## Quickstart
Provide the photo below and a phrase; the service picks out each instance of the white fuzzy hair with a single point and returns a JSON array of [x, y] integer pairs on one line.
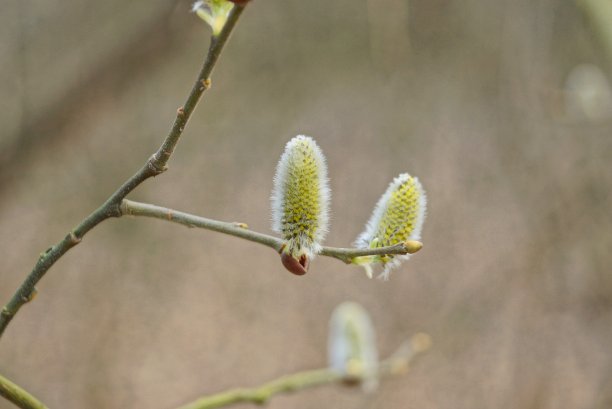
[[364, 239], [278, 193], [340, 344]]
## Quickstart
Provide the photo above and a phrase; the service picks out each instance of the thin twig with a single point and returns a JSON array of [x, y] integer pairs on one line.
[[20, 397], [396, 364], [156, 165], [259, 395], [129, 207]]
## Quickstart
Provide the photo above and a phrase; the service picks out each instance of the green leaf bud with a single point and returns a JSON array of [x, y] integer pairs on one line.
[[214, 12]]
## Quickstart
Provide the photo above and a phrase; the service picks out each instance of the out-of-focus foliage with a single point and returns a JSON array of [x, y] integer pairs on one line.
[[513, 282]]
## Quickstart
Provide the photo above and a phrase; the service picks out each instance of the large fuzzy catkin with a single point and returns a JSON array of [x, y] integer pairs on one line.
[[300, 202], [397, 217]]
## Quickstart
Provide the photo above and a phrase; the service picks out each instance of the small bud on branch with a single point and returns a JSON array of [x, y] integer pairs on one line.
[[214, 12]]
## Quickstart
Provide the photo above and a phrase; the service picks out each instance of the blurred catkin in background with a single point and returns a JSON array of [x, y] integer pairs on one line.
[[488, 102]]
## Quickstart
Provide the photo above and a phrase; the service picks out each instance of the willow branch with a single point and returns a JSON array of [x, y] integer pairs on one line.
[[17, 395], [131, 208], [260, 395], [154, 166], [396, 364]]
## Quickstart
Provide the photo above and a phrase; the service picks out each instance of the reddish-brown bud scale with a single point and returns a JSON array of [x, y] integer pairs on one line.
[[297, 267]]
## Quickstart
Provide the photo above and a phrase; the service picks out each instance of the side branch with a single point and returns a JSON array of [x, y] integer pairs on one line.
[[396, 364], [156, 164], [260, 395], [132, 208], [17, 395], [203, 82]]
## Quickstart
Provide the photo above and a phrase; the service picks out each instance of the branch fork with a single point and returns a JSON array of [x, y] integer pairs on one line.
[[154, 166]]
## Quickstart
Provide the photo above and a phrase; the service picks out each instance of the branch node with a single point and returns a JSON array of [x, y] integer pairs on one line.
[[180, 112], [114, 210], [27, 298], [206, 84], [74, 239], [44, 253], [154, 166], [124, 208], [240, 225], [169, 214], [6, 312]]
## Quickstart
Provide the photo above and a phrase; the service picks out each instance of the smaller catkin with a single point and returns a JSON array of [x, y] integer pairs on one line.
[[351, 346], [397, 217], [300, 198]]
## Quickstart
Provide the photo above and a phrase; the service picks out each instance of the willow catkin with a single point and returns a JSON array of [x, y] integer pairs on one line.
[[397, 218], [300, 202], [351, 346]]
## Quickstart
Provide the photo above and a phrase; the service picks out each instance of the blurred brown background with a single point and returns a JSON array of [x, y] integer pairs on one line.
[[502, 108]]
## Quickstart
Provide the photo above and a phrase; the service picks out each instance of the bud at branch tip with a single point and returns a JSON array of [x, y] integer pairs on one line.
[[214, 12]]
